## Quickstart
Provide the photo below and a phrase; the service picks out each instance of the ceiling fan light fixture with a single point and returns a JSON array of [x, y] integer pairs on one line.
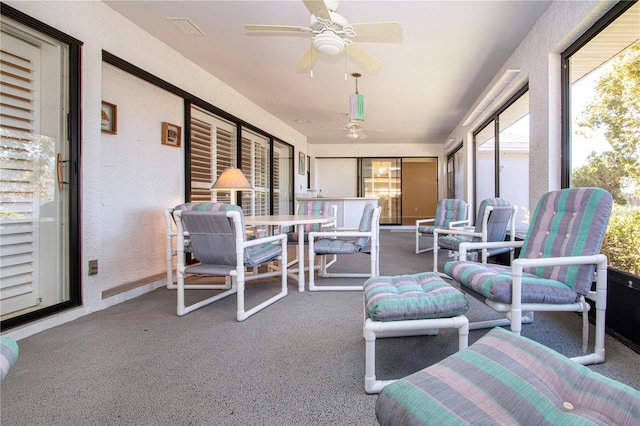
[[352, 135], [329, 43]]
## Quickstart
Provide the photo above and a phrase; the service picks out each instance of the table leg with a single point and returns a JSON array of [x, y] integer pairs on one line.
[[300, 258]]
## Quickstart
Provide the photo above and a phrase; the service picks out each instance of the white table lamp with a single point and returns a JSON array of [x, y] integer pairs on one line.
[[232, 180]]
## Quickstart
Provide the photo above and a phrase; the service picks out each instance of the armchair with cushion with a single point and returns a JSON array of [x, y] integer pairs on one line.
[[559, 259], [217, 239], [495, 217], [344, 241], [450, 212]]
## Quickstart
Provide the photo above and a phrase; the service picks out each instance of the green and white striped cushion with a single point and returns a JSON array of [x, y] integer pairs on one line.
[[504, 378], [8, 355], [495, 283], [411, 297]]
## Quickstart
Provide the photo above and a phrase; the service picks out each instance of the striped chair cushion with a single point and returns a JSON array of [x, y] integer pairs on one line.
[[447, 210], [366, 221], [494, 282], [427, 230], [206, 207], [569, 222], [8, 355], [335, 246], [262, 253], [310, 208], [452, 242], [411, 297], [481, 210], [504, 378]]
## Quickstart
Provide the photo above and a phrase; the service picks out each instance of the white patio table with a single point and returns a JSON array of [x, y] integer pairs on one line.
[[279, 221]]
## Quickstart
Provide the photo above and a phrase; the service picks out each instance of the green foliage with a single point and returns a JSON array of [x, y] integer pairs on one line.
[[622, 241], [601, 171], [616, 109]]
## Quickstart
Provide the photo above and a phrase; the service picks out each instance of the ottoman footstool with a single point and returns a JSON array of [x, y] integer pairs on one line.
[[409, 305]]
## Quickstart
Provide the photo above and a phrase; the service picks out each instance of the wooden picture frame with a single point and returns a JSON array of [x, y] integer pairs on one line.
[[301, 162], [171, 134], [109, 118]]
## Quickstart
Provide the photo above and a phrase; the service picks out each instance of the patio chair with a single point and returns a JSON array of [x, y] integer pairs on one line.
[[450, 213], [344, 241], [313, 207], [555, 270], [171, 234], [495, 217], [217, 239]]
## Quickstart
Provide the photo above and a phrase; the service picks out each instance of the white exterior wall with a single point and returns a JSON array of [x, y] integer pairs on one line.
[[122, 221]]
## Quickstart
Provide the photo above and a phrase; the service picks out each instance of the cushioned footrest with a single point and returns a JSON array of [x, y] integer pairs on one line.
[[504, 378], [411, 297]]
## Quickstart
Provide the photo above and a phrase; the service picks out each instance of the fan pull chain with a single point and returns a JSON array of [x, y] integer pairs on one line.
[[311, 72], [345, 64]]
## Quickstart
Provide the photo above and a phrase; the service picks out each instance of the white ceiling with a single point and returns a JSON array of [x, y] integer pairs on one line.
[[448, 54]]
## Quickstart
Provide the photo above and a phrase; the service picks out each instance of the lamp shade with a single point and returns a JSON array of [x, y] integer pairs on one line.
[[232, 179]]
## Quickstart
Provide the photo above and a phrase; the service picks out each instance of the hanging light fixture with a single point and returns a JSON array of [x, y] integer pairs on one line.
[[356, 102]]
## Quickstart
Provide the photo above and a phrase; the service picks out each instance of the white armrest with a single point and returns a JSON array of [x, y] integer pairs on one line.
[[419, 221], [595, 259], [479, 245], [263, 240], [457, 223]]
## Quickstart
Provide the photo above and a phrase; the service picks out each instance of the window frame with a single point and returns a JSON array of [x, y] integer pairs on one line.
[[495, 119]]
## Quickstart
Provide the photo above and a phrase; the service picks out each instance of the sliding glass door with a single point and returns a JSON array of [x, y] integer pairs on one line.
[[380, 178], [38, 147]]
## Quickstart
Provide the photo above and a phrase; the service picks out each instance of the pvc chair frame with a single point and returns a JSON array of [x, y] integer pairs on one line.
[[236, 285]]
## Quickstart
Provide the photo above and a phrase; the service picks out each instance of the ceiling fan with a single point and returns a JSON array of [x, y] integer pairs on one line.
[[331, 34]]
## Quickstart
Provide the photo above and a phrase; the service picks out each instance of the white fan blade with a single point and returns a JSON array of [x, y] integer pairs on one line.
[[362, 57], [287, 28], [377, 28], [361, 135], [318, 8], [308, 59]]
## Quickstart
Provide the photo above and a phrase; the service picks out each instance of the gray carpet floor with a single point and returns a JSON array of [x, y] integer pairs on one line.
[[299, 362]]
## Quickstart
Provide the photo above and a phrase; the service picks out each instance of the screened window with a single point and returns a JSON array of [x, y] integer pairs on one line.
[[502, 157], [601, 147], [455, 177]]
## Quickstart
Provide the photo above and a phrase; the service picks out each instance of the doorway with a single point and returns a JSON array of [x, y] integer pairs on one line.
[[406, 188]]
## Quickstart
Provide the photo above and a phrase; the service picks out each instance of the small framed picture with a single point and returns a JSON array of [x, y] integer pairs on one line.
[[109, 118], [301, 162], [170, 134]]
